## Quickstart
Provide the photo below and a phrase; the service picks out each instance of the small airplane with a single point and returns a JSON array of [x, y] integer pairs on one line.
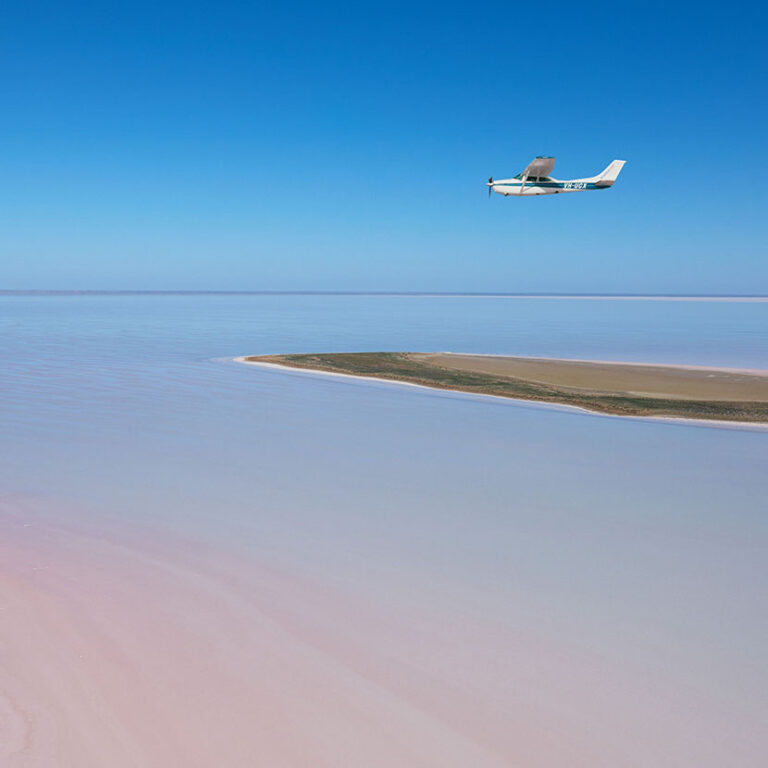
[[535, 180]]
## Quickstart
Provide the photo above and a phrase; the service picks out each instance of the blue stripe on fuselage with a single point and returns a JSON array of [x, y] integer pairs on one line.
[[551, 185]]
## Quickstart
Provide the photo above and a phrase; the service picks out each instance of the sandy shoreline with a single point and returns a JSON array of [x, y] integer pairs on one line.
[[752, 382]]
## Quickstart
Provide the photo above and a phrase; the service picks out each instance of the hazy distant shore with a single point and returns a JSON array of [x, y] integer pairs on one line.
[[624, 389], [728, 298]]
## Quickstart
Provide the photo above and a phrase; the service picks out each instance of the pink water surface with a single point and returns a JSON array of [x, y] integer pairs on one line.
[[126, 645], [206, 564]]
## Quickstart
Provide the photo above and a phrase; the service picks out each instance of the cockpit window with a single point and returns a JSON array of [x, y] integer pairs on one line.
[[533, 178]]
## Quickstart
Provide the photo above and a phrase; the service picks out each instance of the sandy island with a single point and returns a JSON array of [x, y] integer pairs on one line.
[[624, 389]]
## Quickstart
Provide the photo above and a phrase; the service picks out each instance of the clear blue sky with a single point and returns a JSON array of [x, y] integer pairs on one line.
[[326, 146]]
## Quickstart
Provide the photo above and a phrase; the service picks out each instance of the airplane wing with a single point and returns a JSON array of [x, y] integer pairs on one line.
[[540, 166]]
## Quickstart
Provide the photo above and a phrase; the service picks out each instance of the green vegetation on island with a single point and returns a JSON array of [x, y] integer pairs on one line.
[[620, 389]]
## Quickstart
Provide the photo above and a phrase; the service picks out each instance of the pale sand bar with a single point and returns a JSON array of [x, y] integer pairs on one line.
[[650, 380]]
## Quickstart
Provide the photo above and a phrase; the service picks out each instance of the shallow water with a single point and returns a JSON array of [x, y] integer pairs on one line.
[[572, 573]]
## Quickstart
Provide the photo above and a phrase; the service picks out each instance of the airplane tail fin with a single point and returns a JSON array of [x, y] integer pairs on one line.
[[610, 174]]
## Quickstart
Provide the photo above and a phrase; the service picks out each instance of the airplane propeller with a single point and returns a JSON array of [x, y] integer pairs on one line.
[[490, 186]]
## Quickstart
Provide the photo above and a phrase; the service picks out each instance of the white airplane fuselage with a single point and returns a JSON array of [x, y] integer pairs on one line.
[[547, 185]]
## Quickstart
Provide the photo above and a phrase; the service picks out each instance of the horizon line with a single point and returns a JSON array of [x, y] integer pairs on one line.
[[418, 294]]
